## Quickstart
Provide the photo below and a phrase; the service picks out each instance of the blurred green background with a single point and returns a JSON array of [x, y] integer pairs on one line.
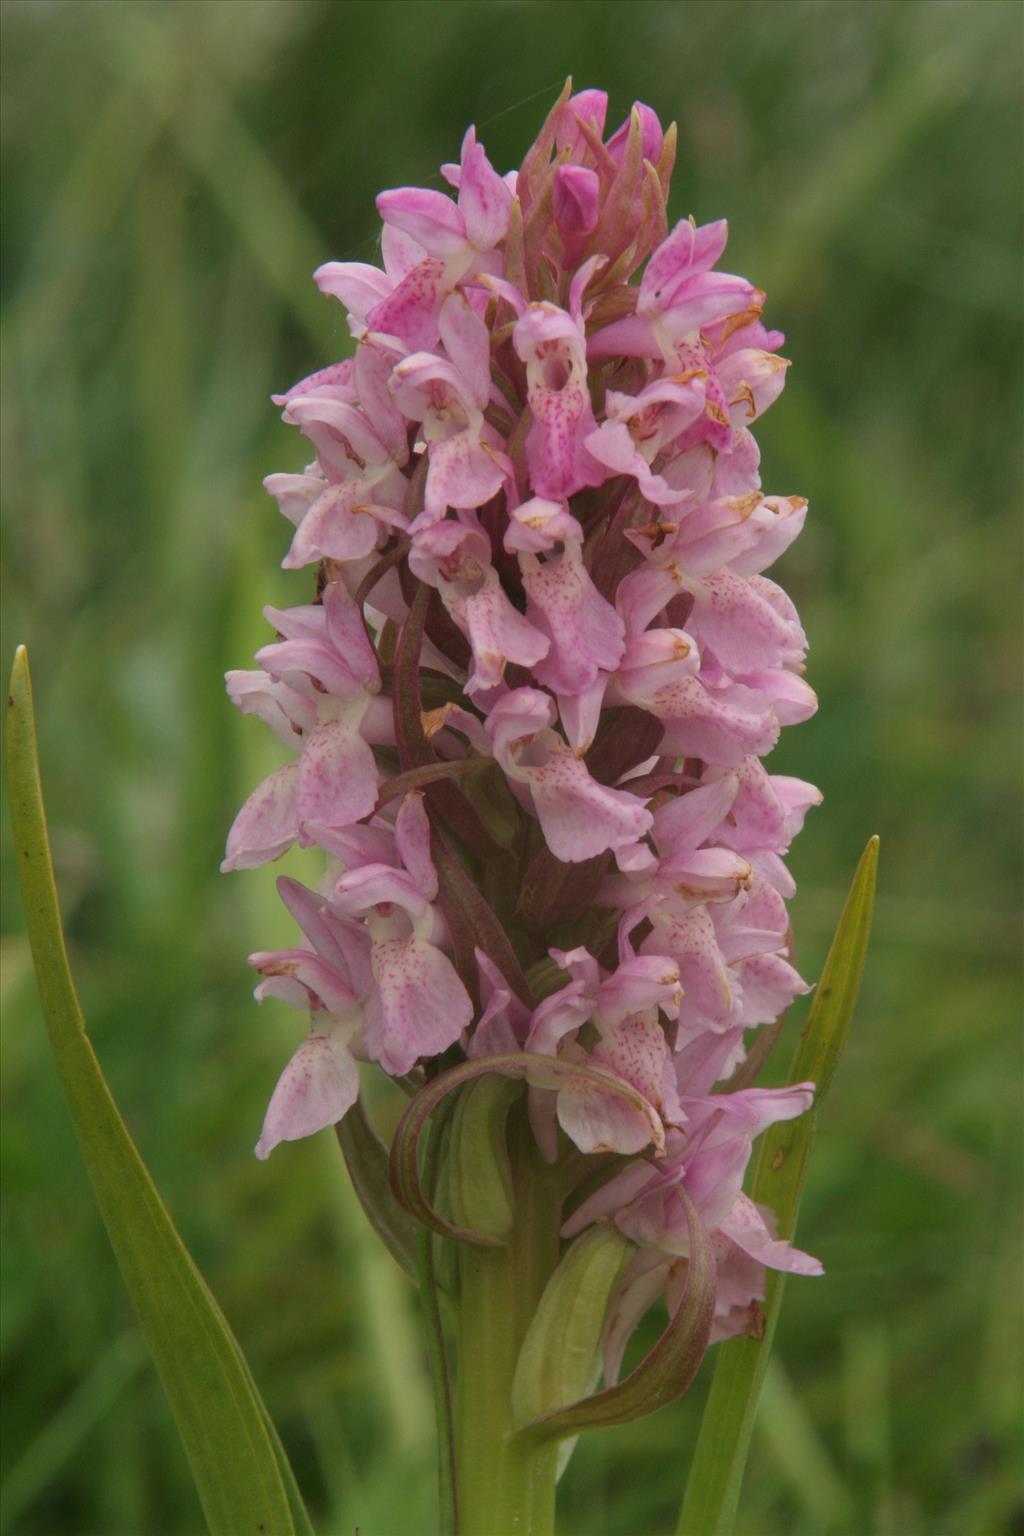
[[173, 173]]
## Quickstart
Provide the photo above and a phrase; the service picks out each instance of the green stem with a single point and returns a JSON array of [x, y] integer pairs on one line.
[[433, 1330], [506, 1486]]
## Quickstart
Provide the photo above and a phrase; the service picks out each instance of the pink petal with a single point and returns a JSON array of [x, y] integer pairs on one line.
[[499, 633], [361, 889], [539, 525], [579, 817], [793, 700], [343, 944], [690, 819], [346, 631], [340, 433], [287, 712], [358, 286], [419, 1008], [640, 983], [267, 824], [686, 250], [462, 473], [580, 713], [410, 312], [372, 370], [752, 379], [688, 936], [337, 776], [467, 342], [637, 1051], [748, 1230], [589, 106], [651, 140], [602, 1122], [294, 494], [769, 984], [720, 725], [613, 447], [310, 664], [323, 987], [317, 1087], [412, 837], [431, 218], [484, 198], [620, 1190], [575, 196], [742, 628], [586, 633]]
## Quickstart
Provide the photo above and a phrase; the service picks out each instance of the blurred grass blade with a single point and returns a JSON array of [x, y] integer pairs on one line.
[[237, 1461], [40, 1465], [716, 1475]]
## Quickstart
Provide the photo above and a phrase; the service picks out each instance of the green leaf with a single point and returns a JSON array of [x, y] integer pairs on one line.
[[667, 1369], [479, 1169], [716, 1475], [240, 1469], [559, 1360], [366, 1158]]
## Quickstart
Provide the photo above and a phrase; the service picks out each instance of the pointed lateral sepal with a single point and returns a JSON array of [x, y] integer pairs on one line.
[[366, 1158], [716, 1474], [560, 1357], [239, 1467], [539, 1072], [667, 1370]]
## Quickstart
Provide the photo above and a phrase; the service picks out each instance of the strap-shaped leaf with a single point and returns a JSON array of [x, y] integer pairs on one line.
[[716, 1475], [540, 1072], [366, 1158], [239, 1467], [559, 1361], [667, 1369]]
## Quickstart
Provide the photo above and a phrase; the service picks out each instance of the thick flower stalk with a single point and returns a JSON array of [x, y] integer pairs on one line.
[[527, 709]]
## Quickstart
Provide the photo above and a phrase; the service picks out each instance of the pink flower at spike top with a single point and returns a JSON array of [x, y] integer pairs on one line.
[[527, 711]]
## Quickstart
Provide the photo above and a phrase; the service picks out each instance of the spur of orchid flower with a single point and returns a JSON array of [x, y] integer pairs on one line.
[[526, 706]]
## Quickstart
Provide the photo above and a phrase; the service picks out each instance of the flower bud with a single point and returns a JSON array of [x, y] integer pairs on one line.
[[574, 194]]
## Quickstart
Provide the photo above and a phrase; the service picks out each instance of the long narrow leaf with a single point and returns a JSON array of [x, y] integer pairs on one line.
[[716, 1475], [236, 1458]]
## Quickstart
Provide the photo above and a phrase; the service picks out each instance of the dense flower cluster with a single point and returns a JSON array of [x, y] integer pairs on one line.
[[529, 704]]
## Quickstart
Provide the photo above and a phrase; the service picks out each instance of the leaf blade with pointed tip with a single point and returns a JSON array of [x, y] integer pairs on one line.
[[237, 1461], [716, 1474]]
